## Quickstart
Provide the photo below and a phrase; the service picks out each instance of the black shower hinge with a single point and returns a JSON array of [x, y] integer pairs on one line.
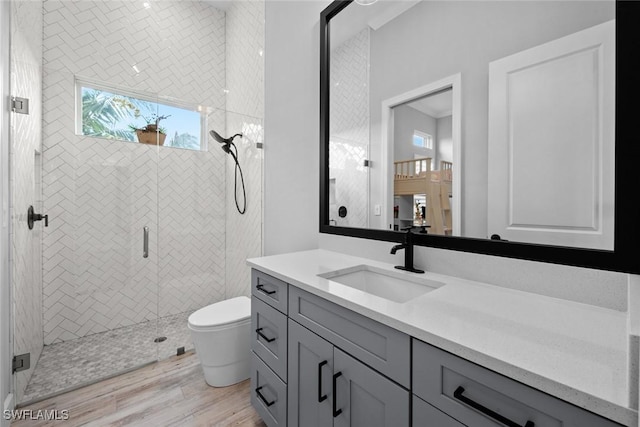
[[21, 362], [367, 163]]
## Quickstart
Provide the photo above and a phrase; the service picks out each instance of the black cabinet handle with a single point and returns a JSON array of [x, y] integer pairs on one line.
[[475, 405], [321, 397], [263, 290], [265, 401], [336, 412], [264, 337]]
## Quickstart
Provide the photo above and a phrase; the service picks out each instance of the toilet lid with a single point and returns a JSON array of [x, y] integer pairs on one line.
[[223, 312]]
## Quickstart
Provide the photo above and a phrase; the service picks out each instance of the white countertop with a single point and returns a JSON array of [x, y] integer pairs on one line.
[[573, 351]]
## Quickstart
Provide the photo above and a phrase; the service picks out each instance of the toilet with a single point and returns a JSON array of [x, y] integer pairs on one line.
[[220, 334]]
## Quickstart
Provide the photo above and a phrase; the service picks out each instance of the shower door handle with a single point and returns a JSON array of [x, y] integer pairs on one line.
[[145, 242]]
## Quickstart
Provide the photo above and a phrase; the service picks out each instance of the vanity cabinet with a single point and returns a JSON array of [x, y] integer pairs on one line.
[[327, 387], [317, 363]]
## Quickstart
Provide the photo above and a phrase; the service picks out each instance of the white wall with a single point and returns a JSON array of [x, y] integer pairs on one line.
[[406, 120], [291, 221], [445, 139], [26, 146], [292, 38]]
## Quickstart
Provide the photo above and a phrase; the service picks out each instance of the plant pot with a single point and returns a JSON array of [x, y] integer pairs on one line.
[[150, 137]]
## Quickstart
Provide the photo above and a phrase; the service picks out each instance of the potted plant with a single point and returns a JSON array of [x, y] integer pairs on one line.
[[151, 133]]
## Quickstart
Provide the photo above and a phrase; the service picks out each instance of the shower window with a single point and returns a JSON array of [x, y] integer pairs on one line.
[[111, 113]]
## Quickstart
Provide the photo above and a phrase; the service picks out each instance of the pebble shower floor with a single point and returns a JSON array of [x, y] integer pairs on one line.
[[71, 364]]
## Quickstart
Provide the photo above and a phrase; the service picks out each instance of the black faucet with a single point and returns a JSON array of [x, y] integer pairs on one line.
[[408, 252]]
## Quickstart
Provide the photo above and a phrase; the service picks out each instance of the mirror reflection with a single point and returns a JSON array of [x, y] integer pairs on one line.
[[475, 118]]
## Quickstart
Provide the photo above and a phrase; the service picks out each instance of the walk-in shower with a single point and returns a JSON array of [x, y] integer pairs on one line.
[[136, 238]]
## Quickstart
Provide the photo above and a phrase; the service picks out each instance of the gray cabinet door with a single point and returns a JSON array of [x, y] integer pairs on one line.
[[310, 370], [365, 398], [425, 415]]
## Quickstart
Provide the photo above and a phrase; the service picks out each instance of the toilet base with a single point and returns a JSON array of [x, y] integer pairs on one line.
[[226, 375]]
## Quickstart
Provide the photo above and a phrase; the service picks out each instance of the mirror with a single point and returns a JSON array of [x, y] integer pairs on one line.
[[474, 119]]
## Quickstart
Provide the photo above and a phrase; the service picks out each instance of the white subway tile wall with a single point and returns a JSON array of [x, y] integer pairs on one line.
[[349, 133], [245, 105]]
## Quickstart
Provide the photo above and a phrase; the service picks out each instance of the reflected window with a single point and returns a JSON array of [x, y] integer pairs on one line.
[[421, 139]]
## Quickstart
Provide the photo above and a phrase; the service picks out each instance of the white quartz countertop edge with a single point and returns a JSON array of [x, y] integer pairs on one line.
[[301, 269]]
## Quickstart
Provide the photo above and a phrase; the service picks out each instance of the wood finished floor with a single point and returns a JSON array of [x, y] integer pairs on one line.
[[168, 393]]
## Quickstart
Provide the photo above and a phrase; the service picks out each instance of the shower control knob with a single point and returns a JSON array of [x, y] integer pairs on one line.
[[33, 217]]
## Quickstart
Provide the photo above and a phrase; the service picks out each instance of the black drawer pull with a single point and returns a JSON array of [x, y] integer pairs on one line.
[[264, 337], [265, 401], [336, 412], [321, 397], [475, 405], [263, 290]]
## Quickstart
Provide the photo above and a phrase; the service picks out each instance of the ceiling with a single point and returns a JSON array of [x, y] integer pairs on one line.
[[355, 17], [437, 106]]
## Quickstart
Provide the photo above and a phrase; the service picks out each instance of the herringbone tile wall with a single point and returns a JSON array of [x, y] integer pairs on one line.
[[349, 133], [245, 105], [101, 193], [26, 137], [192, 230]]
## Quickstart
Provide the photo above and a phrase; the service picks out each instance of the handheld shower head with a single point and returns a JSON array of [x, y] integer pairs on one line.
[[215, 135], [227, 143]]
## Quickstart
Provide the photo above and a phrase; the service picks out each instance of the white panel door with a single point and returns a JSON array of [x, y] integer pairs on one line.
[[551, 142]]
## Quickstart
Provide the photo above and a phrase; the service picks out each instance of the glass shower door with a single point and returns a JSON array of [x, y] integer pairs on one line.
[[100, 258]]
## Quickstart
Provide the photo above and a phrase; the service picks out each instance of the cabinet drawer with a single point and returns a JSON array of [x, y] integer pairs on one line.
[[270, 290], [425, 415], [269, 339], [477, 396], [379, 346], [268, 394]]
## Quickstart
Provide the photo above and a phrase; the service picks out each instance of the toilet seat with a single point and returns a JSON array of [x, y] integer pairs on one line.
[[221, 315]]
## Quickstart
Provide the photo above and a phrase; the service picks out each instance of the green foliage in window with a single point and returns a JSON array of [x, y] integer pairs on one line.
[[184, 140], [104, 112]]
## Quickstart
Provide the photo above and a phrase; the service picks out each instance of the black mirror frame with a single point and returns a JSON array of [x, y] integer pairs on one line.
[[623, 258]]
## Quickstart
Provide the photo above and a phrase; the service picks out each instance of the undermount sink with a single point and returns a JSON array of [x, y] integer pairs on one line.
[[390, 285]]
